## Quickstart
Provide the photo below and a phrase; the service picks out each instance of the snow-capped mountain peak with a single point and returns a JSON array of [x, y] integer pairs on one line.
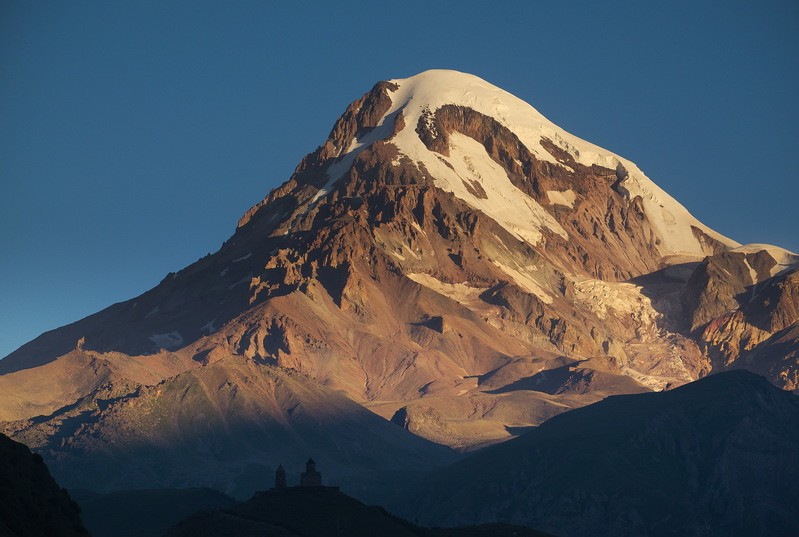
[[418, 99]]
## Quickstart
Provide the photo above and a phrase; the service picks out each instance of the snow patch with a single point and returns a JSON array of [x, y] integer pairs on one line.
[[171, 340], [525, 280], [566, 197], [244, 258], [511, 208], [752, 272], [459, 292], [413, 254], [247, 279], [209, 327]]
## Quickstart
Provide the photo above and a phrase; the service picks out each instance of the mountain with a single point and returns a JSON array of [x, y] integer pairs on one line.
[[31, 502], [719, 456], [449, 259]]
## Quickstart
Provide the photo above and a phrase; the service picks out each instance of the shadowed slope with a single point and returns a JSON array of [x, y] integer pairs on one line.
[[719, 456], [146, 512], [319, 512], [227, 426], [31, 502]]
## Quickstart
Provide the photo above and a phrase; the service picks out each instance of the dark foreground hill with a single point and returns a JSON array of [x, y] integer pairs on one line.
[[144, 512], [717, 457], [318, 512], [31, 502]]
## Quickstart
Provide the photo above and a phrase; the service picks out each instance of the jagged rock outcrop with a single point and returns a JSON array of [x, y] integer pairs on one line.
[[718, 281], [427, 422], [739, 304]]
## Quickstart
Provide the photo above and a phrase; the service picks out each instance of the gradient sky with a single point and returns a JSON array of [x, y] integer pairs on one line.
[[133, 135]]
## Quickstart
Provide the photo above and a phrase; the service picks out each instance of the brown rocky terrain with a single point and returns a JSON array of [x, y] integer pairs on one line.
[[447, 257], [744, 311]]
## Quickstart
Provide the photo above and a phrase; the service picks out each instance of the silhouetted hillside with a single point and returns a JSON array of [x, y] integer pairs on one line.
[[318, 512], [143, 513], [31, 502]]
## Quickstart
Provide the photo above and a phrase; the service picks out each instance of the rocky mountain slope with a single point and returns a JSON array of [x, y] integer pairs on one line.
[[743, 306], [449, 259], [716, 457]]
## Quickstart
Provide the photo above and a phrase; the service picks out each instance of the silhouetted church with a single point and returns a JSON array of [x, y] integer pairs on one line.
[[309, 478], [280, 477]]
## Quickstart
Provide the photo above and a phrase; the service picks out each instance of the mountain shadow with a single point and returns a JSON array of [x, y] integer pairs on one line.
[[717, 457], [145, 512], [319, 512], [31, 502]]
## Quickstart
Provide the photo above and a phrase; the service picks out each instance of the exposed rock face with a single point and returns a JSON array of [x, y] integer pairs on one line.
[[31, 502], [775, 305], [427, 422], [718, 281], [740, 305], [603, 218], [718, 457], [447, 250]]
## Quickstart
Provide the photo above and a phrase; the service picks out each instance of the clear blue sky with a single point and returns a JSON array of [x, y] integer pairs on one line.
[[134, 134]]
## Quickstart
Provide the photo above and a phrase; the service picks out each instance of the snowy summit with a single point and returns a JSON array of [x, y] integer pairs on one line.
[[421, 95]]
